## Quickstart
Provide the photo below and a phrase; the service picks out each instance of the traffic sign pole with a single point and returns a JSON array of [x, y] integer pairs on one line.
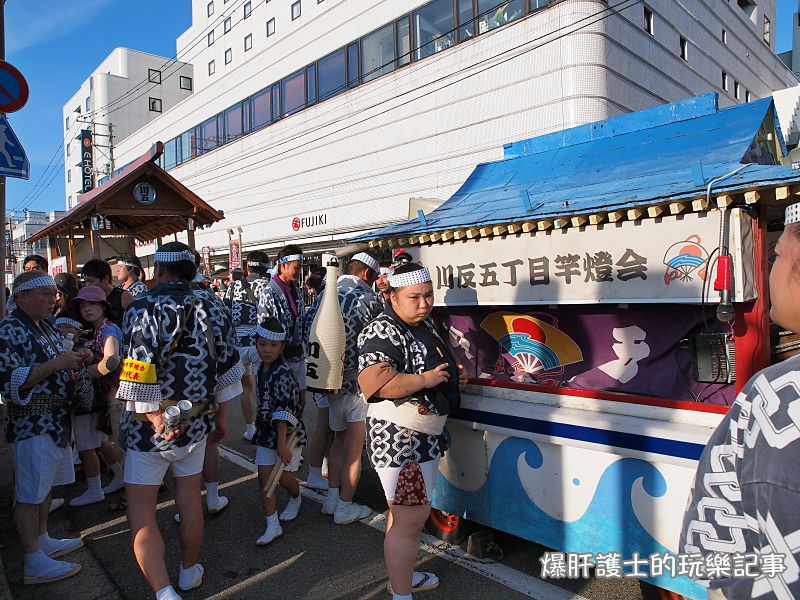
[[2, 178]]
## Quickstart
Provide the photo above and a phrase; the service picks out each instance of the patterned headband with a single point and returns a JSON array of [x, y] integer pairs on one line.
[[367, 260], [68, 321], [792, 214], [411, 278], [36, 282], [386, 271], [290, 258], [171, 257], [275, 336]]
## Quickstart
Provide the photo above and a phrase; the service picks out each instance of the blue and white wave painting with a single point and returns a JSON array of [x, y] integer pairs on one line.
[[609, 523]]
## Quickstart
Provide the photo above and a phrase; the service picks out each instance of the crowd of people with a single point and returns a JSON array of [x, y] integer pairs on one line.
[[141, 376]]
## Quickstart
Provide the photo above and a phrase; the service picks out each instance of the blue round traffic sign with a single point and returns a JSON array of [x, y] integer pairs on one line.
[[13, 88]]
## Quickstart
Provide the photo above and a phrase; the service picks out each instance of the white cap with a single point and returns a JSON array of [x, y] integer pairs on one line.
[[421, 275]]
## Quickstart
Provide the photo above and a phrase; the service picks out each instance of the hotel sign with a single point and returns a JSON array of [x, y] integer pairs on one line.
[[652, 260], [87, 161]]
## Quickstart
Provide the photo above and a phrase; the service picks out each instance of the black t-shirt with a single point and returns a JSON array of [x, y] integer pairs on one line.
[[115, 300]]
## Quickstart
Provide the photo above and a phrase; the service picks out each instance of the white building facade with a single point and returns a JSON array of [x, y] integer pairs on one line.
[[125, 92], [314, 120]]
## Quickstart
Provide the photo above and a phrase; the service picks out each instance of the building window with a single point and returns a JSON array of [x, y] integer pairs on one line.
[[296, 10], [88, 103], [747, 96], [233, 122], [210, 37], [69, 175], [377, 52], [433, 26], [684, 48], [492, 14], [248, 8], [248, 42], [649, 21], [261, 109], [767, 30], [153, 75], [737, 90], [68, 149], [331, 75], [66, 123], [403, 30], [228, 56], [724, 81], [226, 25], [155, 104], [69, 201], [186, 83], [210, 8], [293, 90], [724, 36], [270, 27], [211, 67]]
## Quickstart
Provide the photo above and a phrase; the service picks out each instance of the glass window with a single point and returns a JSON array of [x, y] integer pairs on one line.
[[261, 109], [724, 36], [353, 74], [186, 146], [724, 81], [466, 24], [403, 26], [330, 75], [684, 43], [210, 37], [226, 25], [767, 30], [248, 8], [748, 96], [276, 101], [248, 42], [233, 123], [737, 90], [68, 149], [537, 4], [208, 134], [433, 27], [293, 88], [210, 8], [153, 75], [66, 123], [270, 27], [211, 67], [186, 83], [228, 56], [154, 104], [171, 153], [88, 103], [69, 175], [197, 143], [311, 84], [296, 10], [494, 14], [377, 52]]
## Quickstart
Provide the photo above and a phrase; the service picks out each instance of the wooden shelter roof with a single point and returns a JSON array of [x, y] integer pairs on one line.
[[123, 215]]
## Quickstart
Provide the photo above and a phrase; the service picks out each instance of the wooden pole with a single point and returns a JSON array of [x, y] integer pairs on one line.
[[71, 265]]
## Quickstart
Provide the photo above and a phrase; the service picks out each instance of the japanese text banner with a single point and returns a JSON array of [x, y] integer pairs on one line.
[[670, 259]]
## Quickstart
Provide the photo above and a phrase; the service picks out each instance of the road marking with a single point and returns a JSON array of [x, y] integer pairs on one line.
[[532, 587]]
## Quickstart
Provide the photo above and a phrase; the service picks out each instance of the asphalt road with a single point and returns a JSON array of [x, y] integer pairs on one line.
[[314, 559]]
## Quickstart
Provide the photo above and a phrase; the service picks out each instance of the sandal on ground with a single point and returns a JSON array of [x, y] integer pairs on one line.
[[424, 581]]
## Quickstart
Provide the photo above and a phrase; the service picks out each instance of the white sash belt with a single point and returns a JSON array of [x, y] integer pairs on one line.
[[406, 415]]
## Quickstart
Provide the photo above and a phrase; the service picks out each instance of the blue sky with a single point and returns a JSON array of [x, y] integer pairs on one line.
[[57, 43]]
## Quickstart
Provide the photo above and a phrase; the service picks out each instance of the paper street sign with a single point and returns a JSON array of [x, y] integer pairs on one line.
[[13, 160]]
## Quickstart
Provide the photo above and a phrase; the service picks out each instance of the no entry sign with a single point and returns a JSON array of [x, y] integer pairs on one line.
[[13, 88]]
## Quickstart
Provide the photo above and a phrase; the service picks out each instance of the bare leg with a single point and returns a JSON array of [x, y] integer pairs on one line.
[[247, 398], [401, 545], [187, 497], [290, 484], [322, 440], [350, 466], [148, 545], [211, 461], [91, 464], [27, 519], [110, 453], [336, 460], [267, 502], [44, 511]]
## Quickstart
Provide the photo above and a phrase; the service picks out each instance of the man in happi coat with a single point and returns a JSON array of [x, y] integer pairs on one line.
[[179, 345], [35, 376]]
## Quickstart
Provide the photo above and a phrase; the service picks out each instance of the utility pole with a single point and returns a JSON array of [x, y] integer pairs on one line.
[[2, 178]]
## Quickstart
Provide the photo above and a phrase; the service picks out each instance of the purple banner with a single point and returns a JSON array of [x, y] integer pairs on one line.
[[606, 348]]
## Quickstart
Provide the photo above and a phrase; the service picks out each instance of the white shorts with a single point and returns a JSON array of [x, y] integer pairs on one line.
[[344, 409], [321, 401], [39, 465], [85, 432], [249, 357], [149, 468], [390, 475], [266, 457], [299, 370]]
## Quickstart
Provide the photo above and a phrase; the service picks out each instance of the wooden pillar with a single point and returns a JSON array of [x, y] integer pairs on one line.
[[132, 244], [71, 265], [190, 238], [51, 243], [94, 239]]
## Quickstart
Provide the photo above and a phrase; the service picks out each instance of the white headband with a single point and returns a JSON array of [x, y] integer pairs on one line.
[[411, 278], [367, 260], [171, 257], [36, 282], [792, 214], [290, 258], [126, 263], [386, 271], [256, 264], [68, 321], [275, 336]]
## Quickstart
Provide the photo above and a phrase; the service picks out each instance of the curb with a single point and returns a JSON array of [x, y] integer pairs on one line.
[[5, 591]]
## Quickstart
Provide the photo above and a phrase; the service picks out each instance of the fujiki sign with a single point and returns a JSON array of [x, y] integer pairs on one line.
[[653, 260], [318, 220], [87, 161]]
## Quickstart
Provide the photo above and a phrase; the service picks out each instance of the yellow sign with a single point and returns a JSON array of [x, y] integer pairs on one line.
[[138, 371]]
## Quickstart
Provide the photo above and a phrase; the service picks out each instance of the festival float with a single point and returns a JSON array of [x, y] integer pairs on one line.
[[606, 288]]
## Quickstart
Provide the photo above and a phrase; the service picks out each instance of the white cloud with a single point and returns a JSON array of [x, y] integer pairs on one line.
[[30, 23]]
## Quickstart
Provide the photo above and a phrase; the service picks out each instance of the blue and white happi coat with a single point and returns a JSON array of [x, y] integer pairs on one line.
[[204, 365], [278, 399], [273, 303], [244, 308], [23, 345], [137, 288]]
